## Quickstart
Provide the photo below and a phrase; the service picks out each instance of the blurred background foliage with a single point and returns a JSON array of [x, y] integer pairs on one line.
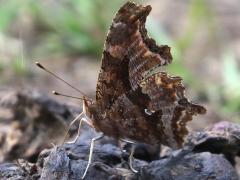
[[52, 29]]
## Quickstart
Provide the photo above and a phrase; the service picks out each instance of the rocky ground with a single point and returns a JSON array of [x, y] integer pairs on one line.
[[31, 147]]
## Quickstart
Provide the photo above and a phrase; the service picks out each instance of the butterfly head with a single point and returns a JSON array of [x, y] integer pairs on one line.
[[86, 109]]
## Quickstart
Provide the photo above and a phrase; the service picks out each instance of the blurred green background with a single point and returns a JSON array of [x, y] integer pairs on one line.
[[68, 36]]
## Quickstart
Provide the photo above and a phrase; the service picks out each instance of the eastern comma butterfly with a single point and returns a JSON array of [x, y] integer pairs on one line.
[[135, 100]]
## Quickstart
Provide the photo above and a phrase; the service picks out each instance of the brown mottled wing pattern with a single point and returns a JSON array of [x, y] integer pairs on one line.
[[162, 121], [133, 123], [111, 81], [133, 98], [121, 41], [166, 95], [144, 54]]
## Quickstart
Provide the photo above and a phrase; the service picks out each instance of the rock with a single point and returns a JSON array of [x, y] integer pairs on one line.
[[12, 171], [70, 162], [145, 152], [221, 138], [19, 171], [36, 121], [190, 166], [56, 165]]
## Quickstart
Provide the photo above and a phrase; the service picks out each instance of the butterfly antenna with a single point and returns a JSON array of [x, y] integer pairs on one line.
[[65, 95], [56, 76]]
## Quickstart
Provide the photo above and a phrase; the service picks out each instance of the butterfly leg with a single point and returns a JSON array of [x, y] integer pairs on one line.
[[71, 124], [78, 133], [91, 153], [79, 128], [131, 158], [131, 154], [122, 151]]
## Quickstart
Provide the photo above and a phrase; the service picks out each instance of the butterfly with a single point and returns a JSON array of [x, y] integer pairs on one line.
[[136, 101]]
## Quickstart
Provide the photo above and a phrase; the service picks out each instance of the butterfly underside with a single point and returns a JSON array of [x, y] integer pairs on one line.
[[134, 98]]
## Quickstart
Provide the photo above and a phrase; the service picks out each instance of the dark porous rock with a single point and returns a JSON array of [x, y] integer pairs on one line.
[[144, 151], [35, 121], [190, 166], [56, 165], [70, 162], [221, 138], [13, 171], [106, 153]]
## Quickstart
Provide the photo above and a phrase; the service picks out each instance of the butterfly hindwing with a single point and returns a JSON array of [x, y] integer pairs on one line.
[[167, 95]]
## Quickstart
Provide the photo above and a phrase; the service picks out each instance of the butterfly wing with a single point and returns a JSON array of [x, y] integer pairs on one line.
[[133, 98], [118, 61], [131, 122], [163, 119], [166, 94], [144, 54]]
